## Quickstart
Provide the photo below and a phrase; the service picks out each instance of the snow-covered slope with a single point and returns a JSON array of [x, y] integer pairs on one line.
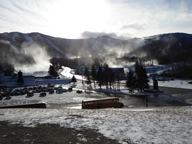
[[15, 35], [31, 42], [12, 46], [103, 44], [59, 50], [156, 47]]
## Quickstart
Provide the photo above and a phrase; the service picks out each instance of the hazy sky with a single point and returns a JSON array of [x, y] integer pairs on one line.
[[86, 18]]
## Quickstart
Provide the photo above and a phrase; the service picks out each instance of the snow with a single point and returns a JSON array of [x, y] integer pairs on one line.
[[67, 73], [95, 46], [160, 125], [139, 43], [177, 83], [127, 125], [55, 47], [16, 34], [14, 48], [31, 42]]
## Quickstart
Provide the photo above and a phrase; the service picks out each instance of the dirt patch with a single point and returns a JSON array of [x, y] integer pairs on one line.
[[49, 134]]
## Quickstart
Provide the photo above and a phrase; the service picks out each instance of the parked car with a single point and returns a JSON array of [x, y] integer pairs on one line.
[[30, 93], [44, 90], [43, 94], [11, 93], [51, 91], [3, 94], [8, 97], [59, 91], [34, 91], [70, 89], [59, 87], [79, 91], [64, 90], [1, 97], [17, 92]]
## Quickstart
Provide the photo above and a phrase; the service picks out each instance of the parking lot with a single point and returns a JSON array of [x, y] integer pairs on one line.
[[58, 96]]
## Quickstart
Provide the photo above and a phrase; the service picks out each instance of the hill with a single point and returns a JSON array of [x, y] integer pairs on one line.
[[166, 48], [28, 49]]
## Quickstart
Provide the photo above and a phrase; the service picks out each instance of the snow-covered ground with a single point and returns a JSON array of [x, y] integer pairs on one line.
[[127, 125], [177, 83], [156, 125]]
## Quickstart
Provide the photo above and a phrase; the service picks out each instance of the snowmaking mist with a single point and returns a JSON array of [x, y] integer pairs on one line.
[[39, 55], [11, 55], [116, 56]]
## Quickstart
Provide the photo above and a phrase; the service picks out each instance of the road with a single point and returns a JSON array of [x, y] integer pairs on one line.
[[170, 97]]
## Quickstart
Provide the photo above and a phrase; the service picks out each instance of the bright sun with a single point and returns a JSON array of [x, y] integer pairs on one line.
[[70, 18]]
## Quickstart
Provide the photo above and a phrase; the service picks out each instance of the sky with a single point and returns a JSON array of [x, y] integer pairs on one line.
[[91, 18]]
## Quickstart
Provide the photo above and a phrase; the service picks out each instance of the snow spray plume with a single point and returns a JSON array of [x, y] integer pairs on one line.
[[39, 55], [114, 55], [4, 41], [11, 55]]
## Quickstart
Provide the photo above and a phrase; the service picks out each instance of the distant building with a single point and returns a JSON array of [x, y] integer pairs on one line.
[[119, 73], [28, 78], [80, 69], [7, 76], [9, 79]]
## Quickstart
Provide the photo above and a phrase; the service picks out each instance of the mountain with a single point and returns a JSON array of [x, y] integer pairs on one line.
[[28, 49], [166, 48]]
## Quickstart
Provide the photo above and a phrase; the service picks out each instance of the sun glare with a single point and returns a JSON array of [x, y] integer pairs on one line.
[[70, 18]]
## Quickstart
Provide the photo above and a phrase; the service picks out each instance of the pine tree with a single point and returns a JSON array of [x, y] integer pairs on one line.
[[52, 71], [145, 79], [111, 77], [86, 73], [100, 77], [106, 75], [137, 66], [89, 80], [141, 76], [73, 80], [131, 80], [20, 78], [93, 73], [117, 77], [138, 74]]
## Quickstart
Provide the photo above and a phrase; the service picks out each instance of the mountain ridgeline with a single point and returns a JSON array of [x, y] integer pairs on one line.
[[25, 49], [166, 48]]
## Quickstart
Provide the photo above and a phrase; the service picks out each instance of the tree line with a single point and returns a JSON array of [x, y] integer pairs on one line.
[[138, 79], [106, 76]]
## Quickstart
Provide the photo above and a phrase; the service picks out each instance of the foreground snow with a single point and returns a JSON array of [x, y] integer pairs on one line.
[[158, 125]]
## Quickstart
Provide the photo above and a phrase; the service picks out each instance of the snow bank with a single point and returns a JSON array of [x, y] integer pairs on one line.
[[158, 125], [177, 83]]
